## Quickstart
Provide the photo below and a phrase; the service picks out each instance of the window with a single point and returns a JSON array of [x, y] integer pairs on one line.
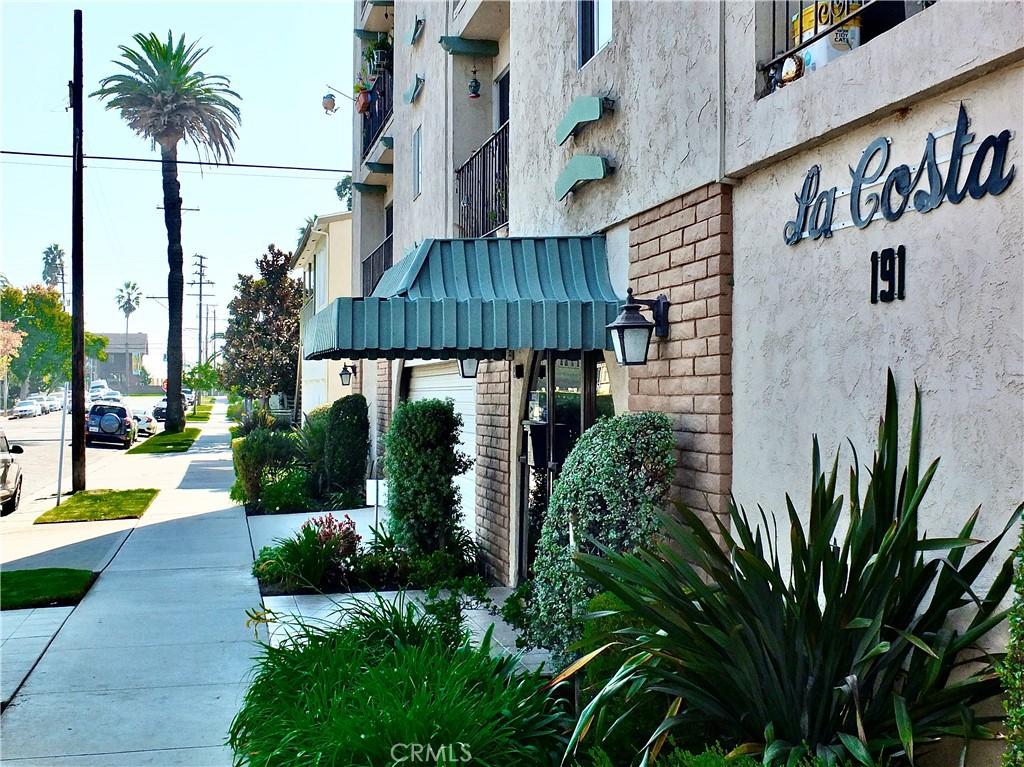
[[417, 169], [594, 18], [808, 34]]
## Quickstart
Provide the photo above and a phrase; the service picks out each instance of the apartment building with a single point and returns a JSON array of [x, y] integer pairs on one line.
[[819, 190]]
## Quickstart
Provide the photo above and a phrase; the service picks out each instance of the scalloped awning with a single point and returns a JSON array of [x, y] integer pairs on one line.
[[475, 298]]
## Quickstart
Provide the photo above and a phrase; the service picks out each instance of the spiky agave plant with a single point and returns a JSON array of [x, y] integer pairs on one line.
[[845, 651]]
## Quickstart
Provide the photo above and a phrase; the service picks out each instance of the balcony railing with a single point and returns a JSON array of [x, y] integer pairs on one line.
[[380, 109], [375, 264], [482, 186]]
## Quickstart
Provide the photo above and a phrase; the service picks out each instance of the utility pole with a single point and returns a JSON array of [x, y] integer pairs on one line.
[[77, 270], [200, 272]]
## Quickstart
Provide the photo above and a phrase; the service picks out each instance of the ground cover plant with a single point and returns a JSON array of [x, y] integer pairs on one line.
[[322, 552], [404, 681], [43, 587], [842, 649], [91, 505], [167, 442], [612, 489]]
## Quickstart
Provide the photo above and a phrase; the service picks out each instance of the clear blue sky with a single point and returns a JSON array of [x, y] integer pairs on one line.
[[279, 56]]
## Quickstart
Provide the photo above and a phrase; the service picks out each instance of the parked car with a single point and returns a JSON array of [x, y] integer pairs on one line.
[[100, 384], [111, 422], [26, 408], [56, 402], [190, 396], [42, 399], [10, 476], [160, 410], [145, 422]]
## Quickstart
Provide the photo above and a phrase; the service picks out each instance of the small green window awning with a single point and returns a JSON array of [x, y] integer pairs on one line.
[[475, 298]]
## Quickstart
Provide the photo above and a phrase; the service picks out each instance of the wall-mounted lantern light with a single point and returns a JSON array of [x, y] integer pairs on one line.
[[468, 367], [631, 331], [474, 86], [347, 374]]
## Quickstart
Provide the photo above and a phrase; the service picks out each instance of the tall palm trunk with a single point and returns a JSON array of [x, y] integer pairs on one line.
[[175, 286], [127, 359]]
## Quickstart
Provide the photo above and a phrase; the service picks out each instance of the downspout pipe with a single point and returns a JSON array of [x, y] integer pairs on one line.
[[722, 177]]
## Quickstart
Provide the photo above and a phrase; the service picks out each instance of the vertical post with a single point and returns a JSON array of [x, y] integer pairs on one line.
[[77, 271]]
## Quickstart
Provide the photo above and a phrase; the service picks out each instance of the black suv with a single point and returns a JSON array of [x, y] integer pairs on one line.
[[111, 422], [160, 411]]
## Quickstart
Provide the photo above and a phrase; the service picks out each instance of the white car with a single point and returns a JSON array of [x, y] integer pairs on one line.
[[56, 402], [42, 400], [146, 422], [27, 408]]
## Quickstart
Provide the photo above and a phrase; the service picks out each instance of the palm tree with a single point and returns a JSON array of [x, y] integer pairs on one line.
[[165, 98], [128, 297], [53, 267]]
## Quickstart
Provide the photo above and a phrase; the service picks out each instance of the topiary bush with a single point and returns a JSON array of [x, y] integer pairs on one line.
[[1012, 670], [262, 450], [422, 460], [347, 445], [612, 488]]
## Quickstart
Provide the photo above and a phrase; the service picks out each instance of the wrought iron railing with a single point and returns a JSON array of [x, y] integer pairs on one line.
[[798, 25], [482, 186], [375, 264], [380, 109]]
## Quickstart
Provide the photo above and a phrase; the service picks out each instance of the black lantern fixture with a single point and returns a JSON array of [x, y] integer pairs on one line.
[[474, 86], [347, 373], [468, 367], [631, 331]]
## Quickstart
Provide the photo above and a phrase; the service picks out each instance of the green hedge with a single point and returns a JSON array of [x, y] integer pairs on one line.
[[422, 460], [612, 487], [1013, 669], [348, 444], [261, 451]]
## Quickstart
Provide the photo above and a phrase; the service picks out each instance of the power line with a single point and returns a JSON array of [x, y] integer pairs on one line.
[[179, 162], [218, 171]]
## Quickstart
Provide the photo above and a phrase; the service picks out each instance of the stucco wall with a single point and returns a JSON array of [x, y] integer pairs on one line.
[[660, 67], [810, 351]]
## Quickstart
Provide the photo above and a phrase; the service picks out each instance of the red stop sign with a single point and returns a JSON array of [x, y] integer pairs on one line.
[[165, 384]]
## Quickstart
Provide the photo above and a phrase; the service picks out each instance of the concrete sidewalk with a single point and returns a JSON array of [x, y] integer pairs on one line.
[[150, 667]]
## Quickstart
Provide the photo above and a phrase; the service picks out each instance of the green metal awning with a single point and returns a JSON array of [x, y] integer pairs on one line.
[[475, 298]]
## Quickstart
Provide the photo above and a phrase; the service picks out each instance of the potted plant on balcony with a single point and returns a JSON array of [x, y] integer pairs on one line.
[[363, 90], [378, 54]]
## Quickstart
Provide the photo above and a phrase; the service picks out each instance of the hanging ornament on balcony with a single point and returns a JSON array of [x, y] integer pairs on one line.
[[474, 86]]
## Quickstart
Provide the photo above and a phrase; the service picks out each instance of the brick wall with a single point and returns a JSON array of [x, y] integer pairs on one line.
[[683, 248], [383, 414], [493, 470]]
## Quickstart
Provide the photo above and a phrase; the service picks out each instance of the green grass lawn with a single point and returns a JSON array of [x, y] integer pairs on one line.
[[43, 587], [167, 443], [199, 417], [90, 505]]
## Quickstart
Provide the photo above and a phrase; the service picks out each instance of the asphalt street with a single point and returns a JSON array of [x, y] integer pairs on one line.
[[40, 436]]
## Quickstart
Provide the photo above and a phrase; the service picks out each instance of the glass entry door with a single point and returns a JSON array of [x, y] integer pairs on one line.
[[567, 391]]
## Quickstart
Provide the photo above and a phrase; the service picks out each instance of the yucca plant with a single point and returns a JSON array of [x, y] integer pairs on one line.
[[843, 649]]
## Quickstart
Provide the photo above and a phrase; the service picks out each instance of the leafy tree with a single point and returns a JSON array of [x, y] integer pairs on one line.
[[10, 343], [53, 267], [44, 358], [163, 96], [144, 377], [128, 297], [202, 377], [344, 191], [261, 343]]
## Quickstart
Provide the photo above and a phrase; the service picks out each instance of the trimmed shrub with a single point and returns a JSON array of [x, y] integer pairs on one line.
[[612, 488], [1012, 669], [422, 460], [327, 697], [311, 449], [262, 450], [347, 445], [285, 490]]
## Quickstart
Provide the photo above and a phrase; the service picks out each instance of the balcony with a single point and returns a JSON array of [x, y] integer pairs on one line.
[[380, 110], [375, 264], [482, 186]]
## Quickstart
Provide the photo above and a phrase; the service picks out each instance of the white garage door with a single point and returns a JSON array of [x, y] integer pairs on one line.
[[442, 381]]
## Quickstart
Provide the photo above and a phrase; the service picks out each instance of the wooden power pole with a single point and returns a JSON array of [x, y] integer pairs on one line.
[[77, 269]]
